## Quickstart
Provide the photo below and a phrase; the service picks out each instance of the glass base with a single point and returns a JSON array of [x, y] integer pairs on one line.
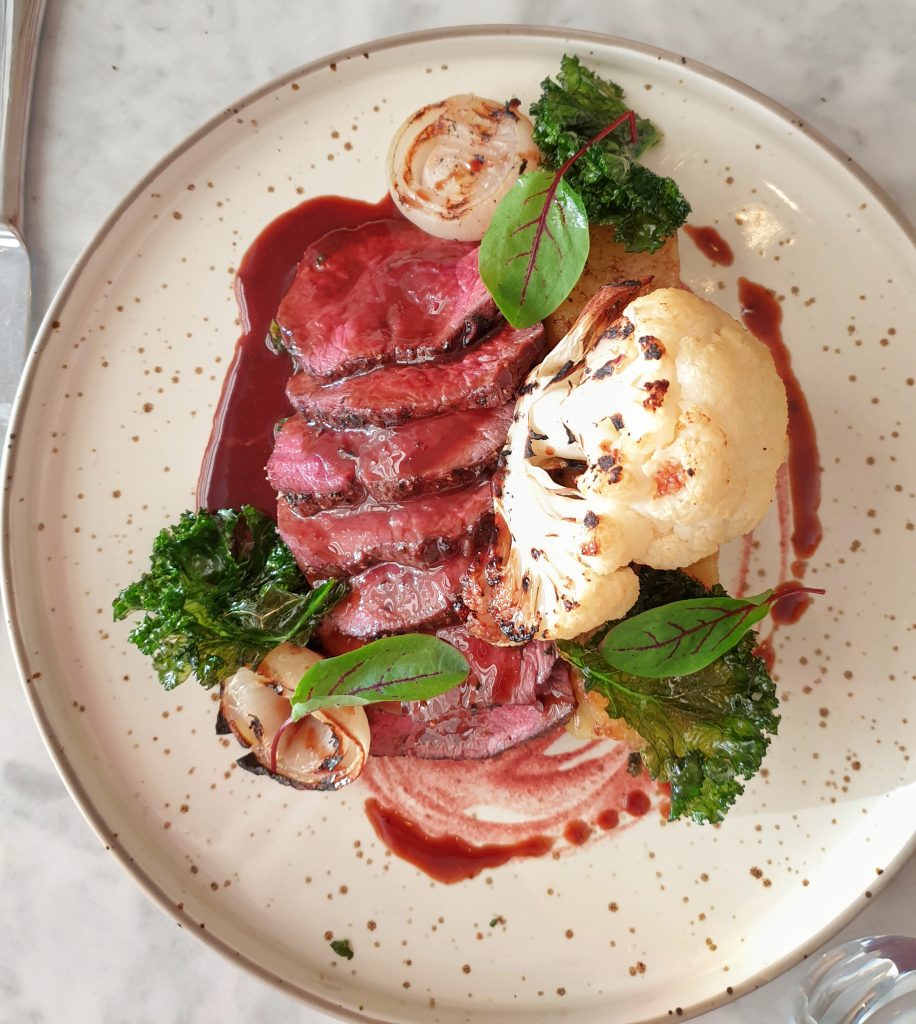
[[864, 981]]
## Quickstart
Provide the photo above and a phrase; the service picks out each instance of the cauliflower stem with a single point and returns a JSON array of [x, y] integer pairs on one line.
[[703, 732]]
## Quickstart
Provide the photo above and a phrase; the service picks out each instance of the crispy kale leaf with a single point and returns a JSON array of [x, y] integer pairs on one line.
[[222, 590], [342, 948], [704, 731], [643, 207]]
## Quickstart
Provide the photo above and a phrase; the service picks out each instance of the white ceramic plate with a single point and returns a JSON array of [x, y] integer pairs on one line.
[[109, 432]]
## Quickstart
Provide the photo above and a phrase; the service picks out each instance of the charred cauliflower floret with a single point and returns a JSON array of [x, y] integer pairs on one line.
[[651, 434]]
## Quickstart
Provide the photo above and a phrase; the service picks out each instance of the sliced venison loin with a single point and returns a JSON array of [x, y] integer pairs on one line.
[[391, 598], [462, 734], [385, 292], [315, 467], [511, 695], [433, 455], [484, 376], [405, 390], [318, 468], [421, 532]]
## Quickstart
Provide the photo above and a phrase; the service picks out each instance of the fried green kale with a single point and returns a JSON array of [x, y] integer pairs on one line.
[[222, 590], [703, 732], [616, 189]]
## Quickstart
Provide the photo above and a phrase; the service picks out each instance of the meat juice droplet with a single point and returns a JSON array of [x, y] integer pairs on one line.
[[711, 244], [253, 399], [638, 803], [577, 833], [762, 315], [608, 819]]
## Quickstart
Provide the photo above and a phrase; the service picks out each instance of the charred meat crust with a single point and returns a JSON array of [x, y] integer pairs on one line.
[[387, 465], [420, 532], [485, 376]]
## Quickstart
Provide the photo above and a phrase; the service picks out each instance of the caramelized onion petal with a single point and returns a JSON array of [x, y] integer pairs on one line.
[[451, 163], [325, 750]]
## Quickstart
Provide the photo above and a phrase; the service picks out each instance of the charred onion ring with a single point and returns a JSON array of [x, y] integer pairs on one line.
[[325, 750], [451, 163]]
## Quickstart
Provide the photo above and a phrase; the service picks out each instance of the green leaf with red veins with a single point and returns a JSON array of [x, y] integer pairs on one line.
[[535, 248], [702, 732], [683, 637], [410, 667]]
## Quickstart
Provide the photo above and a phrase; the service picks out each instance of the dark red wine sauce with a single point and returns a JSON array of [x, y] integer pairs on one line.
[[446, 858], [790, 608], [538, 800], [254, 392], [577, 832], [740, 587], [608, 819], [762, 315], [711, 244], [798, 485]]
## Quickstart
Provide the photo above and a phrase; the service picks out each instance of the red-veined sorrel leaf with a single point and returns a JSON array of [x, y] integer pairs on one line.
[[536, 246], [686, 636], [409, 667]]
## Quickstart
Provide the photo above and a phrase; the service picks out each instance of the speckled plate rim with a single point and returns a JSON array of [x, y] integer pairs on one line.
[[81, 797]]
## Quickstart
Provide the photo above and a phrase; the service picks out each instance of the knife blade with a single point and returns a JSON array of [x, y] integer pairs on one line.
[[20, 21], [15, 307]]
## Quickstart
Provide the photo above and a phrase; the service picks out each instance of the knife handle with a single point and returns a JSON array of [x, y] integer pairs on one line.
[[21, 24]]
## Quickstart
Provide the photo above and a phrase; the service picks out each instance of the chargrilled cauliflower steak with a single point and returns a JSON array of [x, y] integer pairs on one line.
[[651, 434]]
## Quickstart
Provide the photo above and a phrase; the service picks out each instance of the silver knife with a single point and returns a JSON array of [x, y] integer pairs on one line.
[[21, 23]]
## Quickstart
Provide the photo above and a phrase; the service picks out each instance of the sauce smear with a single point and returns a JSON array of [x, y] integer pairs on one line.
[[744, 565], [711, 244], [254, 392], [446, 858], [762, 315], [455, 818]]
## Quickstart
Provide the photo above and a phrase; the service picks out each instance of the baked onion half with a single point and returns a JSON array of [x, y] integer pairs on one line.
[[450, 163], [324, 751]]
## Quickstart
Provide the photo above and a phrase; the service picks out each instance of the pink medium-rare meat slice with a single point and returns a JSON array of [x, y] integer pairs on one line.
[[421, 532], [433, 454], [512, 694], [318, 468], [482, 377], [384, 292], [463, 734], [504, 675], [315, 467], [391, 598]]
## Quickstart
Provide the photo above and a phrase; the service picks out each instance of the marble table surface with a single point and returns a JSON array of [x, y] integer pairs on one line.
[[118, 85]]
